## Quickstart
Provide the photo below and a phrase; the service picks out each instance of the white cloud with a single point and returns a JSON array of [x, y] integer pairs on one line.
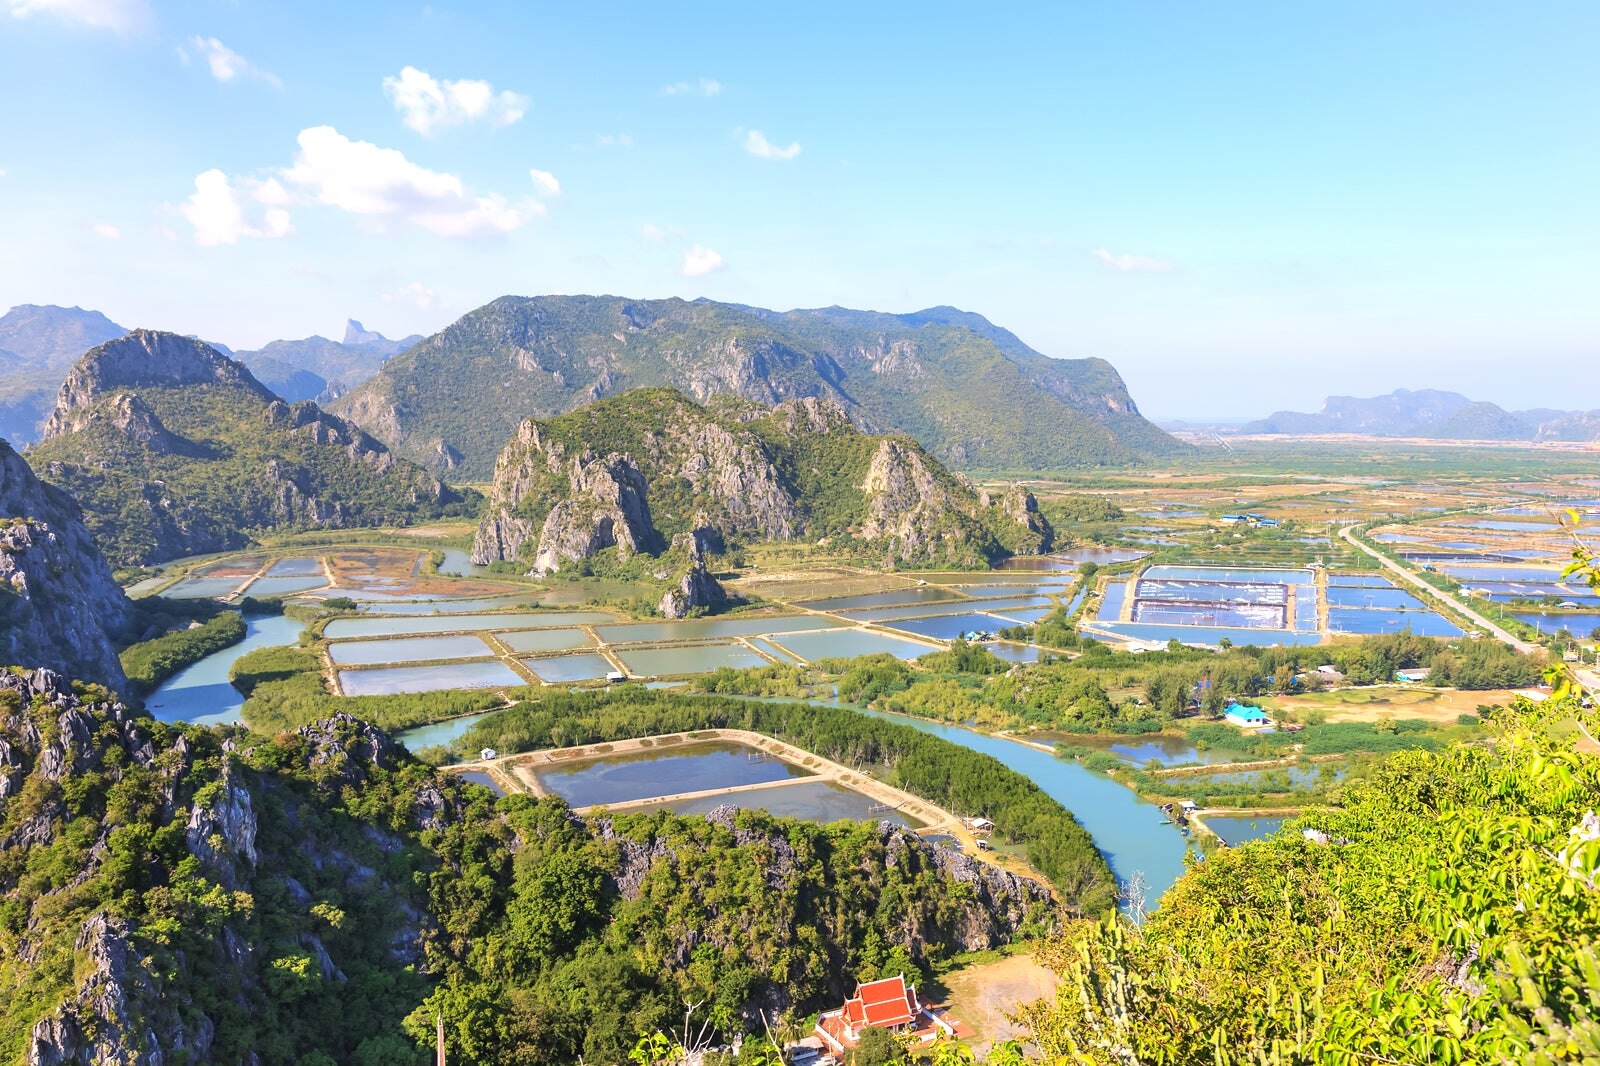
[[544, 181], [653, 233], [226, 64], [1132, 263], [700, 260], [106, 231], [619, 140], [428, 105], [119, 16], [701, 87], [756, 143], [415, 294], [364, 179], [220, 212]]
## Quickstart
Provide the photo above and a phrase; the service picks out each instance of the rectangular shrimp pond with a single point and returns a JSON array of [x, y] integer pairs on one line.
[[699, 776], [1202, 605]]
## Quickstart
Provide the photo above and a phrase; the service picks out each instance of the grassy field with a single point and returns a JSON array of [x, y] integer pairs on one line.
[[1443, 706]]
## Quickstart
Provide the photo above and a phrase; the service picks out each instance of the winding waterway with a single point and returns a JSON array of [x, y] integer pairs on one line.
[[201, 693]]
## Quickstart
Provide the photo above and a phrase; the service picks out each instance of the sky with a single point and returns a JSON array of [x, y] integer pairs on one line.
[[1243, 206]]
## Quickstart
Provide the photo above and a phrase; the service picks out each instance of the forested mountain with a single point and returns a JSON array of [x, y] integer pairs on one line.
[[633, 472], [969, 392], [59, 607], [170, 894], [37, 345], [174, 449], [1431, 413]]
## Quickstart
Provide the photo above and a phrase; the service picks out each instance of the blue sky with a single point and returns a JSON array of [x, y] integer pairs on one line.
[[1244, 206]]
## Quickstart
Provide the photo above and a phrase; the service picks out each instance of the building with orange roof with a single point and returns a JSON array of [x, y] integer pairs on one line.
[[888, 1003]]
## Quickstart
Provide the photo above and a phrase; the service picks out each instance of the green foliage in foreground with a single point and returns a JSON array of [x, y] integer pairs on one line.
[[151, 662], [963, 781], [284, 689], [1452, 917]]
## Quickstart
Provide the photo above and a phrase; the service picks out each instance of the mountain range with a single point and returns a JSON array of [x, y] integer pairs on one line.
[[38, 343], [1431, 413], [174, 449], [970, 392]]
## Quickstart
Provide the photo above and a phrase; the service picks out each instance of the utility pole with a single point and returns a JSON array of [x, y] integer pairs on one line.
[[438, 1039]]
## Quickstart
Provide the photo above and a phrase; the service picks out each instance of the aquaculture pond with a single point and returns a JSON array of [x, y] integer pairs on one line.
[[1135, 836], [201, 692], [849, 643], [706, 628], [694, 659], [204, 588], [1579, 623], [1388, 598], [582, 667], [1241, 829], [407, 650], [478, 777], [951, 626], [340, 628], [1209, 635], [386, 680], [891, 598], [814, 801], [1170, 751], [270, 587], [437, 606], [642, 775], [1359, 620], [525, 641]]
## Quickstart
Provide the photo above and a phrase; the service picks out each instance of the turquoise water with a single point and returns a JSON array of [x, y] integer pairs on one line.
[[1134, 836], [557, 668], [1580, 623], [457, 563], [1387, 598], [682, 768], [773, 650], [385, 680], [1111, 601], [201, 693], [697, 659], [1240, 830], [814, 801], [848, 644], [386, 627], [440, 733], [1362, 621], [407, 650], [1211, 635]]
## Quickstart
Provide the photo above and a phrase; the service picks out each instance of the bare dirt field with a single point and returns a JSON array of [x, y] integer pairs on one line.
[[984, 994]]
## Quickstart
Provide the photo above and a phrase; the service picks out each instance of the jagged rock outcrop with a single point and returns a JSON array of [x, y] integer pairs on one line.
[[144, 358], [1026, 531], [917, 510], [633, 471], [149, 426], [696, 590], [137, 995], [59, 606]]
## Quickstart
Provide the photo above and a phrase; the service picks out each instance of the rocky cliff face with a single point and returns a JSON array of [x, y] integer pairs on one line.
[[634, 471], [174, 449], [143, 359], [694, 589], [156, 980], [58, 602]]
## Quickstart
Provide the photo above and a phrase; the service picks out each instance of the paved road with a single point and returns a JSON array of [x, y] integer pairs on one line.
[[1476, 618]]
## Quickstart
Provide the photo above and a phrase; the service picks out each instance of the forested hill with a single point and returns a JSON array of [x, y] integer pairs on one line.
[[637, 470], [173, 449], [973, 394], [181, 895]]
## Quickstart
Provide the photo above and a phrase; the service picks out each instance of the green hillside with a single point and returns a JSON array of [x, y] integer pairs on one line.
[[174, 449], [973, 394]]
